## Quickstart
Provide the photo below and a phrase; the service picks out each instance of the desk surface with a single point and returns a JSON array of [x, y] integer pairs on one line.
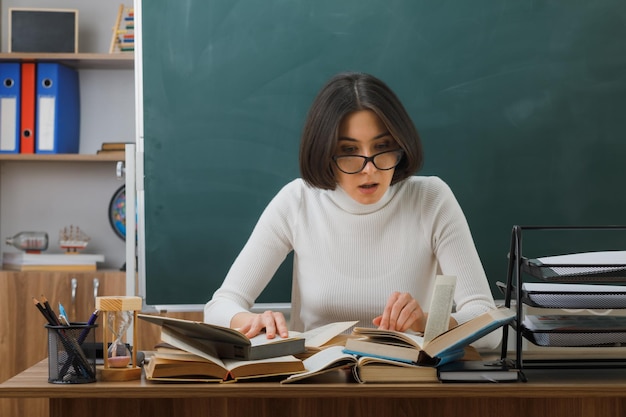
[[579, 393], [542, 384]]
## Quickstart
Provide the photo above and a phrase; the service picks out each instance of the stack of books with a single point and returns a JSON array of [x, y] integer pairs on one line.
[[202, 352], [23, 261], [388, 356]]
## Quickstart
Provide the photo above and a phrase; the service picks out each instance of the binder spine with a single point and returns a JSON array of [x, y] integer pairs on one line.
[[58, 109], [27, 127], [9, 107]]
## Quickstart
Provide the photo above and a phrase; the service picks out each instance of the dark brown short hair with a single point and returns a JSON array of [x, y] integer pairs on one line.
[[343, 94]]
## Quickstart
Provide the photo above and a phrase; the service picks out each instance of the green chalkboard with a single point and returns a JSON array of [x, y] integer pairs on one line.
[[521, 106]]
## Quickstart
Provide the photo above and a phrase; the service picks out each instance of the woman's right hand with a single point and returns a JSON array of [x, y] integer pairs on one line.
[[252, 324]]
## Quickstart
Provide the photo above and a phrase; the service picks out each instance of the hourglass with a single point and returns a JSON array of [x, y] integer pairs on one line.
[[119, 314]]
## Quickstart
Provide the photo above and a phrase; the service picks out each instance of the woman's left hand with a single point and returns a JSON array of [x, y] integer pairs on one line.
[[401, 313]]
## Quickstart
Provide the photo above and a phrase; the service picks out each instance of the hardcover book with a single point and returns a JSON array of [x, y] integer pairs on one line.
[[447, 347], [224, 342], [22, 261], [478, 371], [185, 366]]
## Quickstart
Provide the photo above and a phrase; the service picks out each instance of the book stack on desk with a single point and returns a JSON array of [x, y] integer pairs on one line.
[[387, 356], [204, 352], [22, 261]]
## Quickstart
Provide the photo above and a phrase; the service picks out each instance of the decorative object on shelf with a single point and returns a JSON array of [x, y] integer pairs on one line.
[[30, 242], [73, 239], [117, 212], [123, 39], [119, 314], [43, 30]]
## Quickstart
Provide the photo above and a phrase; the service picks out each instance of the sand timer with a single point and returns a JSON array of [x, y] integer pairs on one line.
[[118, 315]]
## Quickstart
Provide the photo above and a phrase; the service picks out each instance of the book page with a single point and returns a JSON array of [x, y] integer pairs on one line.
[[440, 307], [324, 360], [390, 337], [318, 336]]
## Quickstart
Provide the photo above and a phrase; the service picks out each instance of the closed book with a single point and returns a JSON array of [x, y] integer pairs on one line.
[[377, 370], [228, 343], [186, 366], [22, 261], [113, 146], [478, 371]]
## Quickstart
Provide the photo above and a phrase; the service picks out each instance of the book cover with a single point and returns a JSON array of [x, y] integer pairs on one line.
[[228, 343], [478, 371]]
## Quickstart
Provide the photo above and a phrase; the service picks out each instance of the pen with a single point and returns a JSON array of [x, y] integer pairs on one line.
[[90, 322]]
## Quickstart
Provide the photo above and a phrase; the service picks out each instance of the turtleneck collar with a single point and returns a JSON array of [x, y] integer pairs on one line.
[[340, 198]]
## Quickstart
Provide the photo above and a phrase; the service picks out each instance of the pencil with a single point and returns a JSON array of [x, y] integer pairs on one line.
[[51, 313], [42, 310]]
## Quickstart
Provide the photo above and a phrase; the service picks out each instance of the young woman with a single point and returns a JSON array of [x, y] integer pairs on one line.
[[368, 237]]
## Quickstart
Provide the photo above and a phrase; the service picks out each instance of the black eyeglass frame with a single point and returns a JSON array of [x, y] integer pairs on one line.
[[367, 159]]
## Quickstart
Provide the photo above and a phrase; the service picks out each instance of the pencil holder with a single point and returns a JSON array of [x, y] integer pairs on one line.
[[68, 363]]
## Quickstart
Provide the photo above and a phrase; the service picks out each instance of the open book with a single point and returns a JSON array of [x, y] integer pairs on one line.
[[195, 359], [225, 342], [447, 347], [185, 366], [364, 369]]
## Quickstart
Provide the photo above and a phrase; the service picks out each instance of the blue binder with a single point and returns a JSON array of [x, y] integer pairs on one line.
[[58, 109], [10, 107]]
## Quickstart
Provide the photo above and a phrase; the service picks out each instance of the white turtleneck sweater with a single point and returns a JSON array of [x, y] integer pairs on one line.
[[349, 257]]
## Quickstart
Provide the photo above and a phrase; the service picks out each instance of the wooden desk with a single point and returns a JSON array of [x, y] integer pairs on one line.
[[542, 396]]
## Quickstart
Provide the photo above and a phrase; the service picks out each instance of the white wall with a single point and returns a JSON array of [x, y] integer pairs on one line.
[[49, 196]]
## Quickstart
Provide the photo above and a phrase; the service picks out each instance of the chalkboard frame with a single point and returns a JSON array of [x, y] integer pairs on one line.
[[520, 115]]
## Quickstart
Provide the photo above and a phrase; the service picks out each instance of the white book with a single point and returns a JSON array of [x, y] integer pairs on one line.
[[23, 258]]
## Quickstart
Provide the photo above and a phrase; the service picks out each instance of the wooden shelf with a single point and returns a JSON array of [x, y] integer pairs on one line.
[[122, 60], [69, 157]]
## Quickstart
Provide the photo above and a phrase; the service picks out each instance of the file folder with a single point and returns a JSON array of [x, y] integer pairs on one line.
[[58, 109], [27, 126], [9, 107]]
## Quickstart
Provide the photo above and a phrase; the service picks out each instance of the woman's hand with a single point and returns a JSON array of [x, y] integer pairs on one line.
[[401, 313], [252, 324]]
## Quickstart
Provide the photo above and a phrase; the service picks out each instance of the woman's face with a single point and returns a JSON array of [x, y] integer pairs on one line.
[[363, 133]]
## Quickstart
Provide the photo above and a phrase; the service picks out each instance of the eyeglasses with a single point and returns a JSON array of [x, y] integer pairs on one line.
[[353, 164]]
